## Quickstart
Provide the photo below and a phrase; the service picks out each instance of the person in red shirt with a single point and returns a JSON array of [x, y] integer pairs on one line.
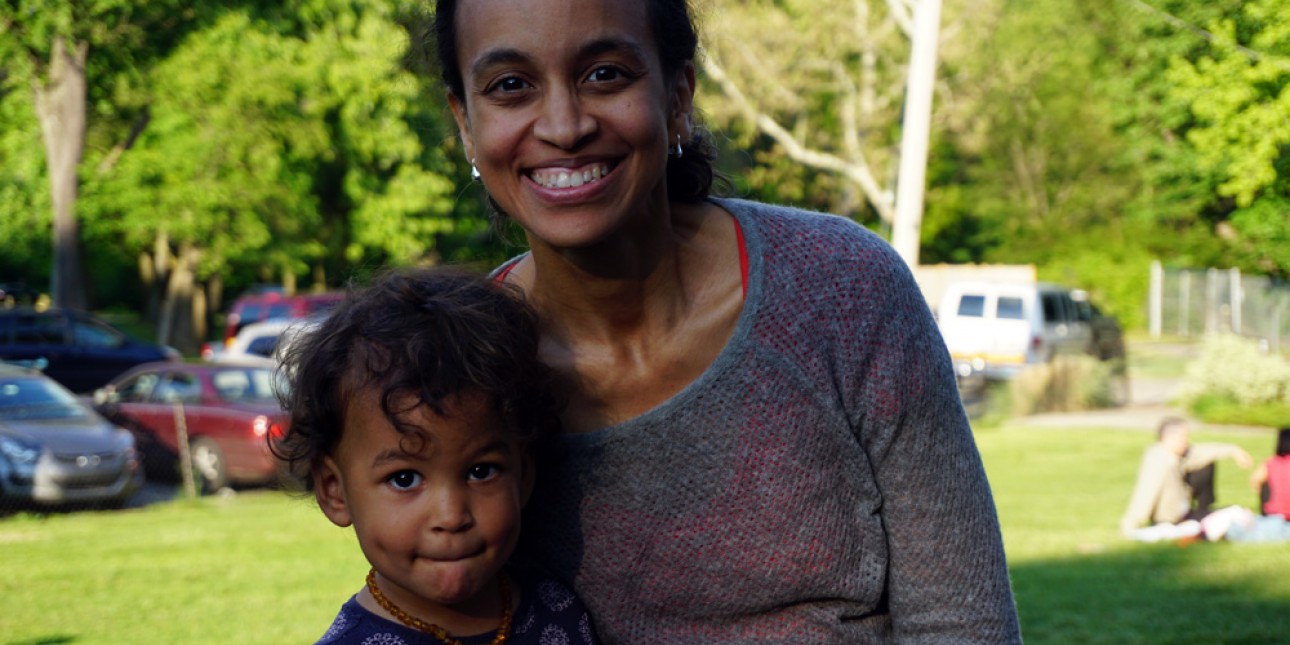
[[1272, 479]]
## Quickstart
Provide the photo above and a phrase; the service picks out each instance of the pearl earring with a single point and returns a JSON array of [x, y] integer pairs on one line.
[[676, 152], [474, 171]]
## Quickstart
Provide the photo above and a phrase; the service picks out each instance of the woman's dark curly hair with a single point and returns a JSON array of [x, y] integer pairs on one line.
[[418, 337], [690, 177]]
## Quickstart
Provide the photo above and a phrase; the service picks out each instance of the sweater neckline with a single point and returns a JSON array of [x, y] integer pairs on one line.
[[752, 272]]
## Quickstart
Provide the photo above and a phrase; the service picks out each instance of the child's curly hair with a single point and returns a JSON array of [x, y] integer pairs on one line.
[[417, 337]]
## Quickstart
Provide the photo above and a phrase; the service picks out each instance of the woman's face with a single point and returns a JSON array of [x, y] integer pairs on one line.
[[567, 113]]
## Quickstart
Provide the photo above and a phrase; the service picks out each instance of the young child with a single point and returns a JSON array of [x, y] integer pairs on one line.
[[414, 407]]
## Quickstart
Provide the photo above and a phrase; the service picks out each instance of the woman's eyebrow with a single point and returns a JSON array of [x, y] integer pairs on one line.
[[508, 56], [497, 57], [608, 45]]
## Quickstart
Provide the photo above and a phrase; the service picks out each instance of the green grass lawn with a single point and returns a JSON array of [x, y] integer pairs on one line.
[[263, 567]]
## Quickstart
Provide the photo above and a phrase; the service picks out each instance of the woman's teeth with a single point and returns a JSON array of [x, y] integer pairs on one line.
[[564, 178]]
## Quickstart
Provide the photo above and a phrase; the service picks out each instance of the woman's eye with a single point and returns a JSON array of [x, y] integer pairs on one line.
[[405, 479], [481, 472], [508, 85]]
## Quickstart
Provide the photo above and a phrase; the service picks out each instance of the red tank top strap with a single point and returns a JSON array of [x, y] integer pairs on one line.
[[743, 254], [501, 274]]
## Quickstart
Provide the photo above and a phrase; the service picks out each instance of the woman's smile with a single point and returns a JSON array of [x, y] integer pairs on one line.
[[569, 177]]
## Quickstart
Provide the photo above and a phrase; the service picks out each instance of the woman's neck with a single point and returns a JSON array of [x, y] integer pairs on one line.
[[631, 331], [643, 277]]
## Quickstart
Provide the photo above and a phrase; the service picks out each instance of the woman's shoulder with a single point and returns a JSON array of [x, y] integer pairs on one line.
[[798, 241], [788, 229]]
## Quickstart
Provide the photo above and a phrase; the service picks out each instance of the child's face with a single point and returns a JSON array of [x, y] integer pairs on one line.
[[437, 524]]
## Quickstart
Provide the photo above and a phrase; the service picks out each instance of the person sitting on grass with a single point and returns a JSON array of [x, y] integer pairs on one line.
[[1271, 480], [414, 409], [1175, 486]]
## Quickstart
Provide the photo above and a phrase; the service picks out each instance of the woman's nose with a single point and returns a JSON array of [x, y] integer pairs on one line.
[[563, 123]]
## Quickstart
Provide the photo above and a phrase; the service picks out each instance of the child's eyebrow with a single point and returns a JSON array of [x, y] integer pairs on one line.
[[497, 445], [387, 456]]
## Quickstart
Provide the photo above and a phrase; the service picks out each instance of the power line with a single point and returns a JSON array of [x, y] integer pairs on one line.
[[1203, 33]]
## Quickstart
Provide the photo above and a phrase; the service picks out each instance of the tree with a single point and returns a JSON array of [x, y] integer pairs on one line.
[[48, 45], [1238, 92], [825, 94], [282, 142]]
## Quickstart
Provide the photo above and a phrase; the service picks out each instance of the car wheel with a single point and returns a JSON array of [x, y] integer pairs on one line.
[[208, 465]]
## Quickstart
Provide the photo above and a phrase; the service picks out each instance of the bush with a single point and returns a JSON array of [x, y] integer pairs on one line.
[[1066, 383], [1235, 381]]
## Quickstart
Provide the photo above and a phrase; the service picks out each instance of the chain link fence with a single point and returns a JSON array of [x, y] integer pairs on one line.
[[1196, 302]]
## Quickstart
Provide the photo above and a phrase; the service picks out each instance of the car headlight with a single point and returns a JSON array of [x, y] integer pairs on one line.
[[21, 453], [125, 443]]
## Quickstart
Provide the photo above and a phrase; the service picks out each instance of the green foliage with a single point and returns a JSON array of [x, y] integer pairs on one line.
[[287, 140], [834, 85], [1234, 381], [1114, 271], [25, 211], [276, 138], [302, 137], [1238, 91], [1214, 408]]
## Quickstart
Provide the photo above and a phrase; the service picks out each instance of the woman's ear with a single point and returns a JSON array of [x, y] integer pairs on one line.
[[463, 124], [683, 102], [329, 490]]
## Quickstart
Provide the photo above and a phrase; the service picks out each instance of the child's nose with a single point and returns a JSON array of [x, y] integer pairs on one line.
[[450, 511]]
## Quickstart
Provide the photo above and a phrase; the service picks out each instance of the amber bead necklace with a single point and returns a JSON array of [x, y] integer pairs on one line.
[[503, 629]]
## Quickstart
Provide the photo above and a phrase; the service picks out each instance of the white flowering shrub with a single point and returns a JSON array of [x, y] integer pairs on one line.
[[1237, 369]]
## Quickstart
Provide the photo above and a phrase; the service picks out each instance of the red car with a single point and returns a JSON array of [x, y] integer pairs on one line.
[[275, 306], [228, 410]]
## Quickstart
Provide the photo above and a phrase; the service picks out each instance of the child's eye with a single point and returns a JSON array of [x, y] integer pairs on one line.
[[405, 479], [482, 472]]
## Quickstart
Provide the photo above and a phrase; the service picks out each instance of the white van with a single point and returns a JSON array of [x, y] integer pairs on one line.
[[1000, 327]]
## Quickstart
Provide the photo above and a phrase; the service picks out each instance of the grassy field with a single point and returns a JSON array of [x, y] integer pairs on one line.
[[263, 567]]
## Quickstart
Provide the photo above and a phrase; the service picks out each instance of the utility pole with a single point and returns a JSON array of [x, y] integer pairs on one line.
[[915, 131]]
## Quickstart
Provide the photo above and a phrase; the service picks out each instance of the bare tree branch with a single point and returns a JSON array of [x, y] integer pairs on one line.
[[856, 170], [902, 11]]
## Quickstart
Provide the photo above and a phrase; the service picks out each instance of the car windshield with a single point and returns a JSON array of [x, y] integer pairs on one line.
[[245, 385], [35, 398]]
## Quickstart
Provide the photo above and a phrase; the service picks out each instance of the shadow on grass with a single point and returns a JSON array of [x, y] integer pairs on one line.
[[1156, 594], [44, 640]]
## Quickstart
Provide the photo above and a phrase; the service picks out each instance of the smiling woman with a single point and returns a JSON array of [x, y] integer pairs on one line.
[[765, 438]]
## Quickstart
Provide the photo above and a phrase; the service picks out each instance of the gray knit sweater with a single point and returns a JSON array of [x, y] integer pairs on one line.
[[817, 484]]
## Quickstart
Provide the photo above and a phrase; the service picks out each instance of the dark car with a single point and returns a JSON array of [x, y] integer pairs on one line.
[[227, 410], [1106, 339], [74, 348], [55, 449]]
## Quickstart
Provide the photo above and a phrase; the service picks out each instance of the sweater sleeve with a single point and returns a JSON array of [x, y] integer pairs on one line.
[[1146, 492], [947, 574], [1200, 455]]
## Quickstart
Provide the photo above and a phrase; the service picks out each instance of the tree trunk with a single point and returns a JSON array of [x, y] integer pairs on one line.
[[178, 327], [60, 107]]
